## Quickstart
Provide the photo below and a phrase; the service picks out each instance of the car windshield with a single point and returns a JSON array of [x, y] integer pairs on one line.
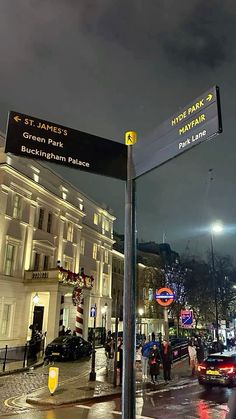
[[219, 359]]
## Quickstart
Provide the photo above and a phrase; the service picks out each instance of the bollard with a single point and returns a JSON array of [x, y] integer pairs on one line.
[[53, 379], [25, 355], [5, 360]]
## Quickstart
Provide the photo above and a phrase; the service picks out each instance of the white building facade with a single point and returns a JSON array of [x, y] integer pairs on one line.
[[44, 222]]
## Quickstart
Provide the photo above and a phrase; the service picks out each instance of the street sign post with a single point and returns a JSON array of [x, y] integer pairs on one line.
[[186, 318], [164, 297], [199, 121], [35, 138]]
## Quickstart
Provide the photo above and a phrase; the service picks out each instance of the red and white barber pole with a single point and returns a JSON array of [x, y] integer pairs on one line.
[[79, 319]]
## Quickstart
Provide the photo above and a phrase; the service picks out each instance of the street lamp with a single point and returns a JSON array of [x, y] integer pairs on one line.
[[140, 312], [36, 298], [104, 319], [216, 228]]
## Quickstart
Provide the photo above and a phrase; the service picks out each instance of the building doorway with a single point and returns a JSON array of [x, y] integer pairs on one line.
[[38, 318]]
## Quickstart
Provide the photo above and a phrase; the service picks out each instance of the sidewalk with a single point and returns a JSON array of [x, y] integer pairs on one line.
[[76, 391], [17, 367]]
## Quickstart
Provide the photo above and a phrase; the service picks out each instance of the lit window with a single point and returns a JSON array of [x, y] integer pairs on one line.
[[95, 219], [66, 265], [95, 250], [10, 258], [69, 232], [16, 206], [82, 246], [49, 223], [41, 217], [106, 256], [36, 261], [106, 225], [6, 317]]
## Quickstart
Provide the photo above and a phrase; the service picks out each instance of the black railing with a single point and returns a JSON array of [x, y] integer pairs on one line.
[[25, 355], [179, 352]]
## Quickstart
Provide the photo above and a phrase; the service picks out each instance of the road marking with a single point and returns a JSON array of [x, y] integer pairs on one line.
[[163, 390], [13, 398]]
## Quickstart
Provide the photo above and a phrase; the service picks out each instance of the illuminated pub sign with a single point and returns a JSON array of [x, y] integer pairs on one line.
[[191, 125], [35, 138]]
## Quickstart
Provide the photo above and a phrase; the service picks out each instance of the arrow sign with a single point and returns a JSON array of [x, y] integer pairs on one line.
[[186, 318], [199, 121], [35, 138]]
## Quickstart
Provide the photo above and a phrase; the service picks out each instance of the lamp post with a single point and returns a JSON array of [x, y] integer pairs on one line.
[[140, 312], [104, 319], [92, 375], [216, 228], [36, 298]]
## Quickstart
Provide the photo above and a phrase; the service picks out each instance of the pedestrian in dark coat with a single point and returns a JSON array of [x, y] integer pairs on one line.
[[166, 356], [200, 350], [154, 363]]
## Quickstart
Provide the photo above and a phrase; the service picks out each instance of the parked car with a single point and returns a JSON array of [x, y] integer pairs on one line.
[[218, 369], [68, 348]]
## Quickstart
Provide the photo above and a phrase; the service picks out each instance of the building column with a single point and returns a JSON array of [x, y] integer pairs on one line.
[[29, 238], [110, 274], [101, 271], [77, 250], [61, 313], [60, 239], [53, 315], [86, 313]]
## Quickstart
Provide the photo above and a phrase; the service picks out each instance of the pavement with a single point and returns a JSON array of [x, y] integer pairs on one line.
[[17, 367], [78, 390]]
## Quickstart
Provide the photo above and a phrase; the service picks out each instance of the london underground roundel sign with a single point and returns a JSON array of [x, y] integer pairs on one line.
[[164, 296]]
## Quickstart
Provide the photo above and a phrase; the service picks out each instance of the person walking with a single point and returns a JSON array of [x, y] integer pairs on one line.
[[120, 359], [192, 357], [154, 363], [109, 351], [200, 350], [166, 356], [145, 351]]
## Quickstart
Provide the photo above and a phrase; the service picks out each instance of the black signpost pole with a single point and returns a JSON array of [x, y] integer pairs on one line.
[[128, 386], [92, 375]]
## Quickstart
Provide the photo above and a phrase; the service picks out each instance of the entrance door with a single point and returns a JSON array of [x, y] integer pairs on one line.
[[38, 318]]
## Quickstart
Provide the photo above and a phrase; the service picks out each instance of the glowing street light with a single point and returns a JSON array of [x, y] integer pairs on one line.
[[217, 228], [36, 298], [140, 312]]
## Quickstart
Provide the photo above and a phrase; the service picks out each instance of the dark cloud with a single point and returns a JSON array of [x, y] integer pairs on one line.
[[202, 39], [107, 66]]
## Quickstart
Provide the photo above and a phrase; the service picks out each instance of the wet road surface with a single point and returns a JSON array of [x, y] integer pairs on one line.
[[186, 402]]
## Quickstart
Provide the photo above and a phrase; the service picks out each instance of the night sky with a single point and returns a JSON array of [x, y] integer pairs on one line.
[[107, 66]]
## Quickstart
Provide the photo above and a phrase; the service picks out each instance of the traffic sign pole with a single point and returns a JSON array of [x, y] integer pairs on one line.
[[92, 375], [166, 323], [128, 379]]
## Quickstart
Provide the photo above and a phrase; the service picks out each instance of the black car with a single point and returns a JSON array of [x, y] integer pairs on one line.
[[68, 348], [218, 369]]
